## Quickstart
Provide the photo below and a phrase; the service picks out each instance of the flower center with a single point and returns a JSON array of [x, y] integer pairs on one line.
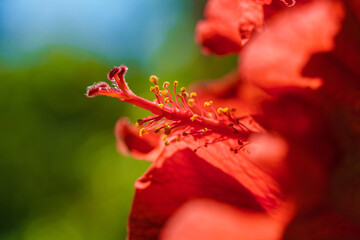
[[175, 113]]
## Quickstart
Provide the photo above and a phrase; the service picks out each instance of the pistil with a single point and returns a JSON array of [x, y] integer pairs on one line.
[[169, 115]]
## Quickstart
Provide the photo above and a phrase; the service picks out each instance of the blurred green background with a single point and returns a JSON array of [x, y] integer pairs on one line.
[[60, 174]]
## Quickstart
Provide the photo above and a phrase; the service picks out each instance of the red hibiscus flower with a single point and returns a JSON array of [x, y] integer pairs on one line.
[[275, 154], [202, 154]]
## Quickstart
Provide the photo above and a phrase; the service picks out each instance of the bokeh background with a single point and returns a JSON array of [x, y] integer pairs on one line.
[[60, 174]]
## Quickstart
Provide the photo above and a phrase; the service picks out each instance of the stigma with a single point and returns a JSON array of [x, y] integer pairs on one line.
[[175, 113]]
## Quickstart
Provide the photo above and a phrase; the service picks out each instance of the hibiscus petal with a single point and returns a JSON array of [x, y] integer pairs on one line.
[[206, 219], [274, 59], [129, 141], [347, 48], [175, 180], [245, 171], [230, 91], [299, 117], [322, 224], [228, 25], [355, 4]]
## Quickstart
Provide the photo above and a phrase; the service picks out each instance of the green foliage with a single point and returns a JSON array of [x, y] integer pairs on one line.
[[60, 174]]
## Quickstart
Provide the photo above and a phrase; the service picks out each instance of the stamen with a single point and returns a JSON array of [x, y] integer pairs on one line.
[[191, 102], [193, 95], [164, 93], [193, 117], [167, 129], [156, 88], [142, 132], [166, 84], [183, 96], [175, 94], [208, 104], [176, 120], [154, 79], [171, 100]]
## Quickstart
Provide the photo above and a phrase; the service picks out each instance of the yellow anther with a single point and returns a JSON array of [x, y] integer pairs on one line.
[[156, 88], [208, 104], [140, 122], [204, 130], [184, 94], [166, 84], [167, 143], [183, 89], [164, 137], [166, 100], [222, 110], [193, 117], [164, 93], [160, 106], [167, 129], [176, 83], [177, 139], [157, 129], [152, 89], [142, 132], [191, 102], [154, 79], [137, 124], [193, 95]]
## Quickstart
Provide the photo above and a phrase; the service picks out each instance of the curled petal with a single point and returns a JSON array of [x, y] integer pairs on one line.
[[275, 58], [129, 141], [228, 25]]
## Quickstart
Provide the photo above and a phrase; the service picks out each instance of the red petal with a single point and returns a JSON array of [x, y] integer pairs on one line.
[[228, 25], [313, 149], [322, 225], [275, 58], [355, 5], [129, 141], [347, 48], [205, 219], [174, 180], [230, 91]]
